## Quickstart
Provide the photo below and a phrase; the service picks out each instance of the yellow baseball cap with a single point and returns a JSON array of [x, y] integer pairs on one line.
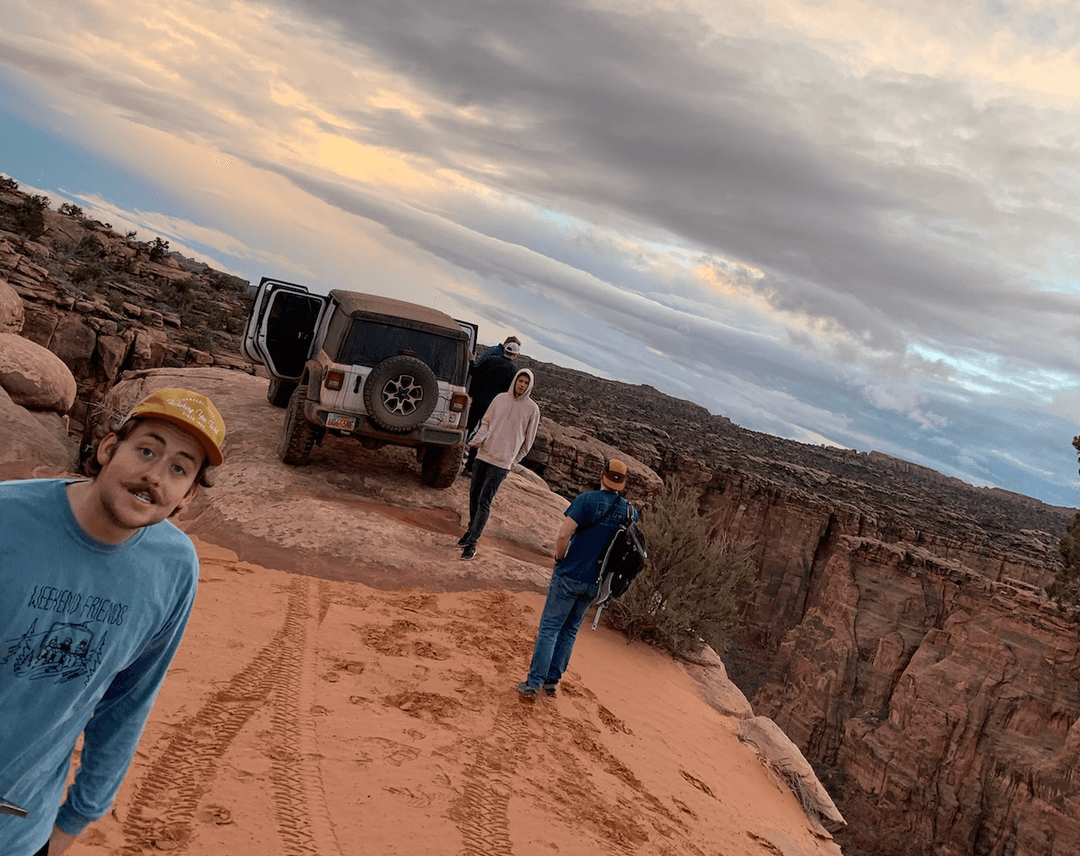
[[192, 411]]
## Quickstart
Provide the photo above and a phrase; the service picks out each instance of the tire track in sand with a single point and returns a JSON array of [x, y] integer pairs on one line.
[[163, 809], [482, 816], [299, 796]]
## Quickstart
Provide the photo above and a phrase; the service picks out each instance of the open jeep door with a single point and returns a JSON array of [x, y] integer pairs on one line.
[[473, 330], [281, 327]]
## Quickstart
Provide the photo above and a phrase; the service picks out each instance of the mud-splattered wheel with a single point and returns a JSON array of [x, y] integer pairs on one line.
[[298, 435], [279, 392], [441, 465]]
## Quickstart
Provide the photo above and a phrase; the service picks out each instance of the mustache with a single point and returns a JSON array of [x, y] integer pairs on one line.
[[146, 489]]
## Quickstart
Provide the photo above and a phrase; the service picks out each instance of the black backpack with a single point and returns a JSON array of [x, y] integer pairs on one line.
[[622, 559]]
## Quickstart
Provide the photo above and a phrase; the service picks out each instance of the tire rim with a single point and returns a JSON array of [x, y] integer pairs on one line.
[[402, 395]]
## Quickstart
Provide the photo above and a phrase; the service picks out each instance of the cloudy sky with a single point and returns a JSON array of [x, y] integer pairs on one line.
[[842, 222]]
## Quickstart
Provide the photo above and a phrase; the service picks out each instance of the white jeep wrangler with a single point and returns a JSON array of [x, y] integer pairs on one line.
[[359, 365]]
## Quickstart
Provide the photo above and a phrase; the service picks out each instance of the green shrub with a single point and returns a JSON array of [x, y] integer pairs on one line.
[[1065, 589], [30, 216], [199, 340], [89, 246], [72, 210], [159, 249], [116, 301], [180, 295], [219, 318], [226, 282], [89, 274], [690, 592], [235, 323]]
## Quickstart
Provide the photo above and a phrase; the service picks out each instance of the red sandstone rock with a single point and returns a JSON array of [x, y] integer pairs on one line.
[[33, 377], [34, 443], [11, 309]]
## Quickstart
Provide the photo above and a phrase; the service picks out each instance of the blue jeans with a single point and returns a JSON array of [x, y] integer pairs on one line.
[[567, 602], [486, 479]]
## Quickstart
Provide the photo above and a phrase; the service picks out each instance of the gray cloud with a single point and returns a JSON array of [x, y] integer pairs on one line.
[[600, 111], [893, 252]]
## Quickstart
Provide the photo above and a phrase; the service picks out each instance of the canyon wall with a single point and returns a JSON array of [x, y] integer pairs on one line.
[[933, 687]]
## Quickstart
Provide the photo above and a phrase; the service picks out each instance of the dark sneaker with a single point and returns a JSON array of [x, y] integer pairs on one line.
[[469, 551], [549, 690], [463, 540], [526, 692]]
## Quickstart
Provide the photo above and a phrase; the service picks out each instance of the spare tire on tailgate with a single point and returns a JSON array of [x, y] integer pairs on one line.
[[400, 393]]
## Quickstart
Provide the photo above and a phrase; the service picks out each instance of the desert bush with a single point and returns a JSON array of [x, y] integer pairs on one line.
[[30, 216], [159, 249], [122, 264], [199, 339], [695, 581], [1065, 589], [7, 183], [179, 295], [89, 246], [219, 318], [225, 282], [72, 210], [89, 274], [116, 301]]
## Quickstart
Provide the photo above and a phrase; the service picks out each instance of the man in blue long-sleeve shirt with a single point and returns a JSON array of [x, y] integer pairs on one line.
[[96, 586]]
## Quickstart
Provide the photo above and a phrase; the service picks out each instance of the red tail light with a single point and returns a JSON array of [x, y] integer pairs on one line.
[[458, 403], [334, 379]]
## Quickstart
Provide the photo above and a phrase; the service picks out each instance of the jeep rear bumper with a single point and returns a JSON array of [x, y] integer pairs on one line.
[[424, 435]]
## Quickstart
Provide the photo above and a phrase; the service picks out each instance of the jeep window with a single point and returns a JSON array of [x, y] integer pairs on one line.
[[370, 342]]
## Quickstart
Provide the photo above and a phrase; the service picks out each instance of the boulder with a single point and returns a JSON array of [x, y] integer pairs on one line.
[[34, 377]]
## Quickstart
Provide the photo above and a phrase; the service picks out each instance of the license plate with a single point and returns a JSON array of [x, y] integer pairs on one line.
[[337, 420]]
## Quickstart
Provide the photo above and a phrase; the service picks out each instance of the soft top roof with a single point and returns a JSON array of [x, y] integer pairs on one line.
[[376, 307]]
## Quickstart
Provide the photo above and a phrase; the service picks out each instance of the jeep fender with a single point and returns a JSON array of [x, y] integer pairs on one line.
[[313, 378]]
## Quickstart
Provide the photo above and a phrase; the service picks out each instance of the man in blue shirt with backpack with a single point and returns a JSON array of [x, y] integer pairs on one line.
[[590, 520]]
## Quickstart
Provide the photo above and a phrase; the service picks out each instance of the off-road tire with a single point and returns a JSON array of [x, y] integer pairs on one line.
[[279, 392], [441, 465], [400, 393], [297, 435]]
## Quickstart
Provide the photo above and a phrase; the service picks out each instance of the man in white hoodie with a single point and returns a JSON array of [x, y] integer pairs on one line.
[[505, 436]]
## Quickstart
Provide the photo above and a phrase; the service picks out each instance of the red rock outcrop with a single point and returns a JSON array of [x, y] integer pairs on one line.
[[106, 303], [945, 706]]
